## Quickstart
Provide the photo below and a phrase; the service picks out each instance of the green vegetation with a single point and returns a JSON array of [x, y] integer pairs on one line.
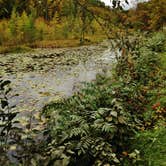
[[118, 119], [152, 145], [97, 126], [14, 49], [111, 120]]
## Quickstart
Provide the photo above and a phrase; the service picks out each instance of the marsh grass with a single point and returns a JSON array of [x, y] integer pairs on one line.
[[14, 49], [152, 145]]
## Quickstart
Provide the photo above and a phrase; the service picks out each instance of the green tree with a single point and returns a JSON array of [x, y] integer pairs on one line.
[[13, 23]]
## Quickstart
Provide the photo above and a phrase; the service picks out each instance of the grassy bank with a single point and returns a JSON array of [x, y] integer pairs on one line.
[[61, 43], [14, 49], [151, 142]]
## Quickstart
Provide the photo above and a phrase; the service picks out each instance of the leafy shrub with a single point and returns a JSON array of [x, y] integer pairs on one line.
[[90, 128], [18, 141], [7, 120]]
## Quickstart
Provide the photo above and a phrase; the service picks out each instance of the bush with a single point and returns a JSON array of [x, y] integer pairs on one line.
[[90, 128]]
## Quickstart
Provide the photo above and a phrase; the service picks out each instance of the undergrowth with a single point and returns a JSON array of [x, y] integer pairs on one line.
[[99, 125], [113, 121], [152, 146]]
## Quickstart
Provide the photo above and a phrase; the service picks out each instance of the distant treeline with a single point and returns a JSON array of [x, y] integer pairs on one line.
[[42, 8], [27, 21]]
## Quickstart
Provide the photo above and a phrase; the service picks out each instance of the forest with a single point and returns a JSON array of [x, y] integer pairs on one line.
[[68, 23], [82, 83]]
